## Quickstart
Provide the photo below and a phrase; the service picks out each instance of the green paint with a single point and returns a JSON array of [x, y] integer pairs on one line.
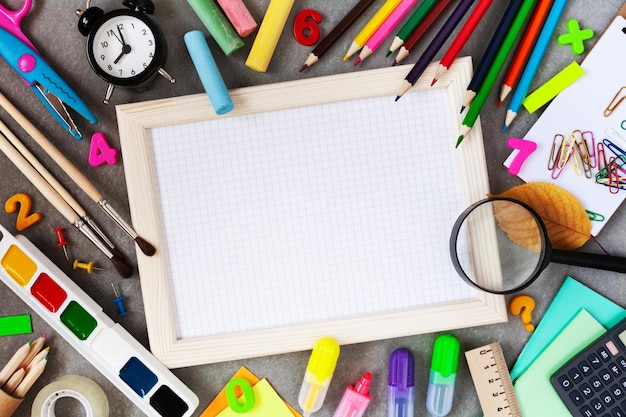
[[78, 320]]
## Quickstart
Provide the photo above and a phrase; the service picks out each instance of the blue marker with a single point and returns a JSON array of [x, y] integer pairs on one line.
[[442, 375], [401, 384]]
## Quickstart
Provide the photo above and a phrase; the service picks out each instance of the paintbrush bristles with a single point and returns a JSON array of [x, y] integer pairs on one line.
[[145, 246], [122, 268]]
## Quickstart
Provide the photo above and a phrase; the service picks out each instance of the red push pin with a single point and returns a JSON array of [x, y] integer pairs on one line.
[[62, 242]]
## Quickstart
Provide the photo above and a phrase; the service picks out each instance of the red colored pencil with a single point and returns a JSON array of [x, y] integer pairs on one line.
[[420, 30], [525, 48], [462, 38]]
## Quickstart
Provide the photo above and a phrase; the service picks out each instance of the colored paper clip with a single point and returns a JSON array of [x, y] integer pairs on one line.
[[600, 156], [615, 101], [583, 151], [595, 217], [613, 176], [555, 152], [19, 52], [616, 150], [609, 174], [590, 139]]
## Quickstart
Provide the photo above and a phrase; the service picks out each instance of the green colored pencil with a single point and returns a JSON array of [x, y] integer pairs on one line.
[[494, 71], [409, 27]]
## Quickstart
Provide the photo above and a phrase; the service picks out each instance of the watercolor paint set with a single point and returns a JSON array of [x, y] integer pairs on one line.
[[81, 321]]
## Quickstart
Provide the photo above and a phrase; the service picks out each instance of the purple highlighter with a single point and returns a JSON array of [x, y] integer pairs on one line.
[[401, 383]]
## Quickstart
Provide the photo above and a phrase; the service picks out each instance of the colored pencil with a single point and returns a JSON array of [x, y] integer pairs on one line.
[[434, 47], [34, 349], [42, 355], [411, 24], [417, 34], [525, 48], [14, 363], [336, 33], [462, 38], [477, 104], [534, 61], [385, 29], [74, 173], [368, 30], [14, 381], [29, 379], [268, 35], [490, 53]]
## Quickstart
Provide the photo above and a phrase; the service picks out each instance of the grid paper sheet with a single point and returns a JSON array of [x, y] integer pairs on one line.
[[309, 214]]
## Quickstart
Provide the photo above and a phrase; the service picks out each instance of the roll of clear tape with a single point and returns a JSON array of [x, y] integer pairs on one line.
[[81, 388]]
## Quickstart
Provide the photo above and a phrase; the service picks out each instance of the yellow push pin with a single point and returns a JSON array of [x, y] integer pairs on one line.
[[87, 266]]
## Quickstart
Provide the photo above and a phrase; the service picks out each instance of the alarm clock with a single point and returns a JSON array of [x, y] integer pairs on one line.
[[124, 46]]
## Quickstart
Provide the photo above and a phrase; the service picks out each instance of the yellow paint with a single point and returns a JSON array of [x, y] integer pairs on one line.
[[19, 266]]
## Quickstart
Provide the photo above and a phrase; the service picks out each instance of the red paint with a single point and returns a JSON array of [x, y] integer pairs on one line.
[[48, 293]]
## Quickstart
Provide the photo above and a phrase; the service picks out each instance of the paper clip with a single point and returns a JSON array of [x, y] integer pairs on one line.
[[595, 217], [609, 174], [583, 151], [601, 157], [613, 176], [616, 150], [616, 101], [555, 151], [591, 149]]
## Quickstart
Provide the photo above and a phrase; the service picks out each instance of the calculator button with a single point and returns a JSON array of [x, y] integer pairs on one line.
[[621, 361], [565, 382], [607, 399], [614, 368], [603, 352], [617, 412], [612, 348], [605, 376], [595, 383], [594, 360], [586, 390], [617, 391], [586, 411], [575, 375], [576, 398], [585, 368], [597, 405]]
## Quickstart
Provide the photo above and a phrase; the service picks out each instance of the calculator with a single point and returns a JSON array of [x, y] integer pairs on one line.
[[593, 383]]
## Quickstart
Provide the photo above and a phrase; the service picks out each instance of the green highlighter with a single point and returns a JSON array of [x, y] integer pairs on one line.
[[442, 375]]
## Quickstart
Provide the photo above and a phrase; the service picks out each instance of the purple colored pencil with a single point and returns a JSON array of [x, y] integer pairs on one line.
[[435, 45]]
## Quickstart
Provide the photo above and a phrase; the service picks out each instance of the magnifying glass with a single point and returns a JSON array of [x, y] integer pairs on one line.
[[500, 245]]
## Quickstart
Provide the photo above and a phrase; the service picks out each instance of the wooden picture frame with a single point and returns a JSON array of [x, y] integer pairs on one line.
[[135, 124]]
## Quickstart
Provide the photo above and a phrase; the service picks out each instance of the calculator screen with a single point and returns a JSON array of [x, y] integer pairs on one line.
[[622, 337]]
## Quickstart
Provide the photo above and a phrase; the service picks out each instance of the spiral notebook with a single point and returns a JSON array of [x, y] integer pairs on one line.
[[317, 207]]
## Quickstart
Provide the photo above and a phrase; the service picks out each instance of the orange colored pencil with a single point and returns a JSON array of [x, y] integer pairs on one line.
[[525, 48], [462, 38]]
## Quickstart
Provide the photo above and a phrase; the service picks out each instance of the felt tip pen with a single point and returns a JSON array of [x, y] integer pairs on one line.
[[318, 374], [401, 384], [442, 375], [356, 399]]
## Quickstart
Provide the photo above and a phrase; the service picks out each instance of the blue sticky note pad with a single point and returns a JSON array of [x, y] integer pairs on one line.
[[571, 298]]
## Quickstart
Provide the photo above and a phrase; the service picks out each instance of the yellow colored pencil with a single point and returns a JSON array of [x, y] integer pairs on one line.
[[368, 30]]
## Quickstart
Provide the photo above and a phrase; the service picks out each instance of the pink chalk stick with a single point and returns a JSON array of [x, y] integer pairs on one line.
[[239, 16]]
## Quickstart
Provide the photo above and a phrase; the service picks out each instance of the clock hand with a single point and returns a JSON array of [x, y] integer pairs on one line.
[[125, 50], [121, 38]]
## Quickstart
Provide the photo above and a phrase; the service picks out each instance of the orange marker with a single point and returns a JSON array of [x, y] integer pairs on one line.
[[525, 48]]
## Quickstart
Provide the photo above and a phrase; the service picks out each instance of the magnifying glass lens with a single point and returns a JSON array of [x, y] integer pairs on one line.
[[498, 246]]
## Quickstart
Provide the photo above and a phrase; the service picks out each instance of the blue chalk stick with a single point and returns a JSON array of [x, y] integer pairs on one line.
[[209, 73]]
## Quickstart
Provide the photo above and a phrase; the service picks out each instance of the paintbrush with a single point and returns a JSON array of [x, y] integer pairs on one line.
[[75, 174], [61, 205]]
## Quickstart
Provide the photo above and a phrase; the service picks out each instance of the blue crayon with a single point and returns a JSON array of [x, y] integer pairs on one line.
[[209, 73]]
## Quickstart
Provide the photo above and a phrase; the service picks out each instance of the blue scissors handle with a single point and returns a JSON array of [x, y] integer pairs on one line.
[[11, 20]]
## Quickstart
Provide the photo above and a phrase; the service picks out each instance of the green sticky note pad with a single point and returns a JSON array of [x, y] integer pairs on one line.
[[12, 325]]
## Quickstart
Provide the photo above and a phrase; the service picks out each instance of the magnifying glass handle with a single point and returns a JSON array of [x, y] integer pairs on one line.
[[589, 260]]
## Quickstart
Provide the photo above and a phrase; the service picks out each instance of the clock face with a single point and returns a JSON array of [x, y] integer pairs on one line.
[[124, 49]]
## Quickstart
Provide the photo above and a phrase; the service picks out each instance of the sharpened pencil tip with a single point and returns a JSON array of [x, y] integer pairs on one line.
[[394, 63], [397, 98], [388, 53], [357, 61], [462, 108], [499, 103], [504, 128], [302, 68], [458, 141], [433, 82]]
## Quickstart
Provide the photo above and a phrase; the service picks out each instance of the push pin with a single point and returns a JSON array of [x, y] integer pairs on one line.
[[87, 266], [118, 300], [62, 242]]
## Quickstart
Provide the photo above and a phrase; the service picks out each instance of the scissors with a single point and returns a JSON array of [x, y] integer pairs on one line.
[[19, 52]]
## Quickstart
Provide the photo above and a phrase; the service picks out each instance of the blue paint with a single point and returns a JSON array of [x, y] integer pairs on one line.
[[138, 376]]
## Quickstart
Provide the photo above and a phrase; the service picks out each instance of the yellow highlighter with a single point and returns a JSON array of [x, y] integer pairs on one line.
[[318, 374]]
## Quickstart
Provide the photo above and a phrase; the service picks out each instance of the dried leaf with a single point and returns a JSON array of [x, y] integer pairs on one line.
[[566, 220]]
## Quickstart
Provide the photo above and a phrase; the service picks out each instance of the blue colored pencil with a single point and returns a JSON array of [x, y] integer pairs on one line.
[[492, 50], [534, 61], [435, 45]]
